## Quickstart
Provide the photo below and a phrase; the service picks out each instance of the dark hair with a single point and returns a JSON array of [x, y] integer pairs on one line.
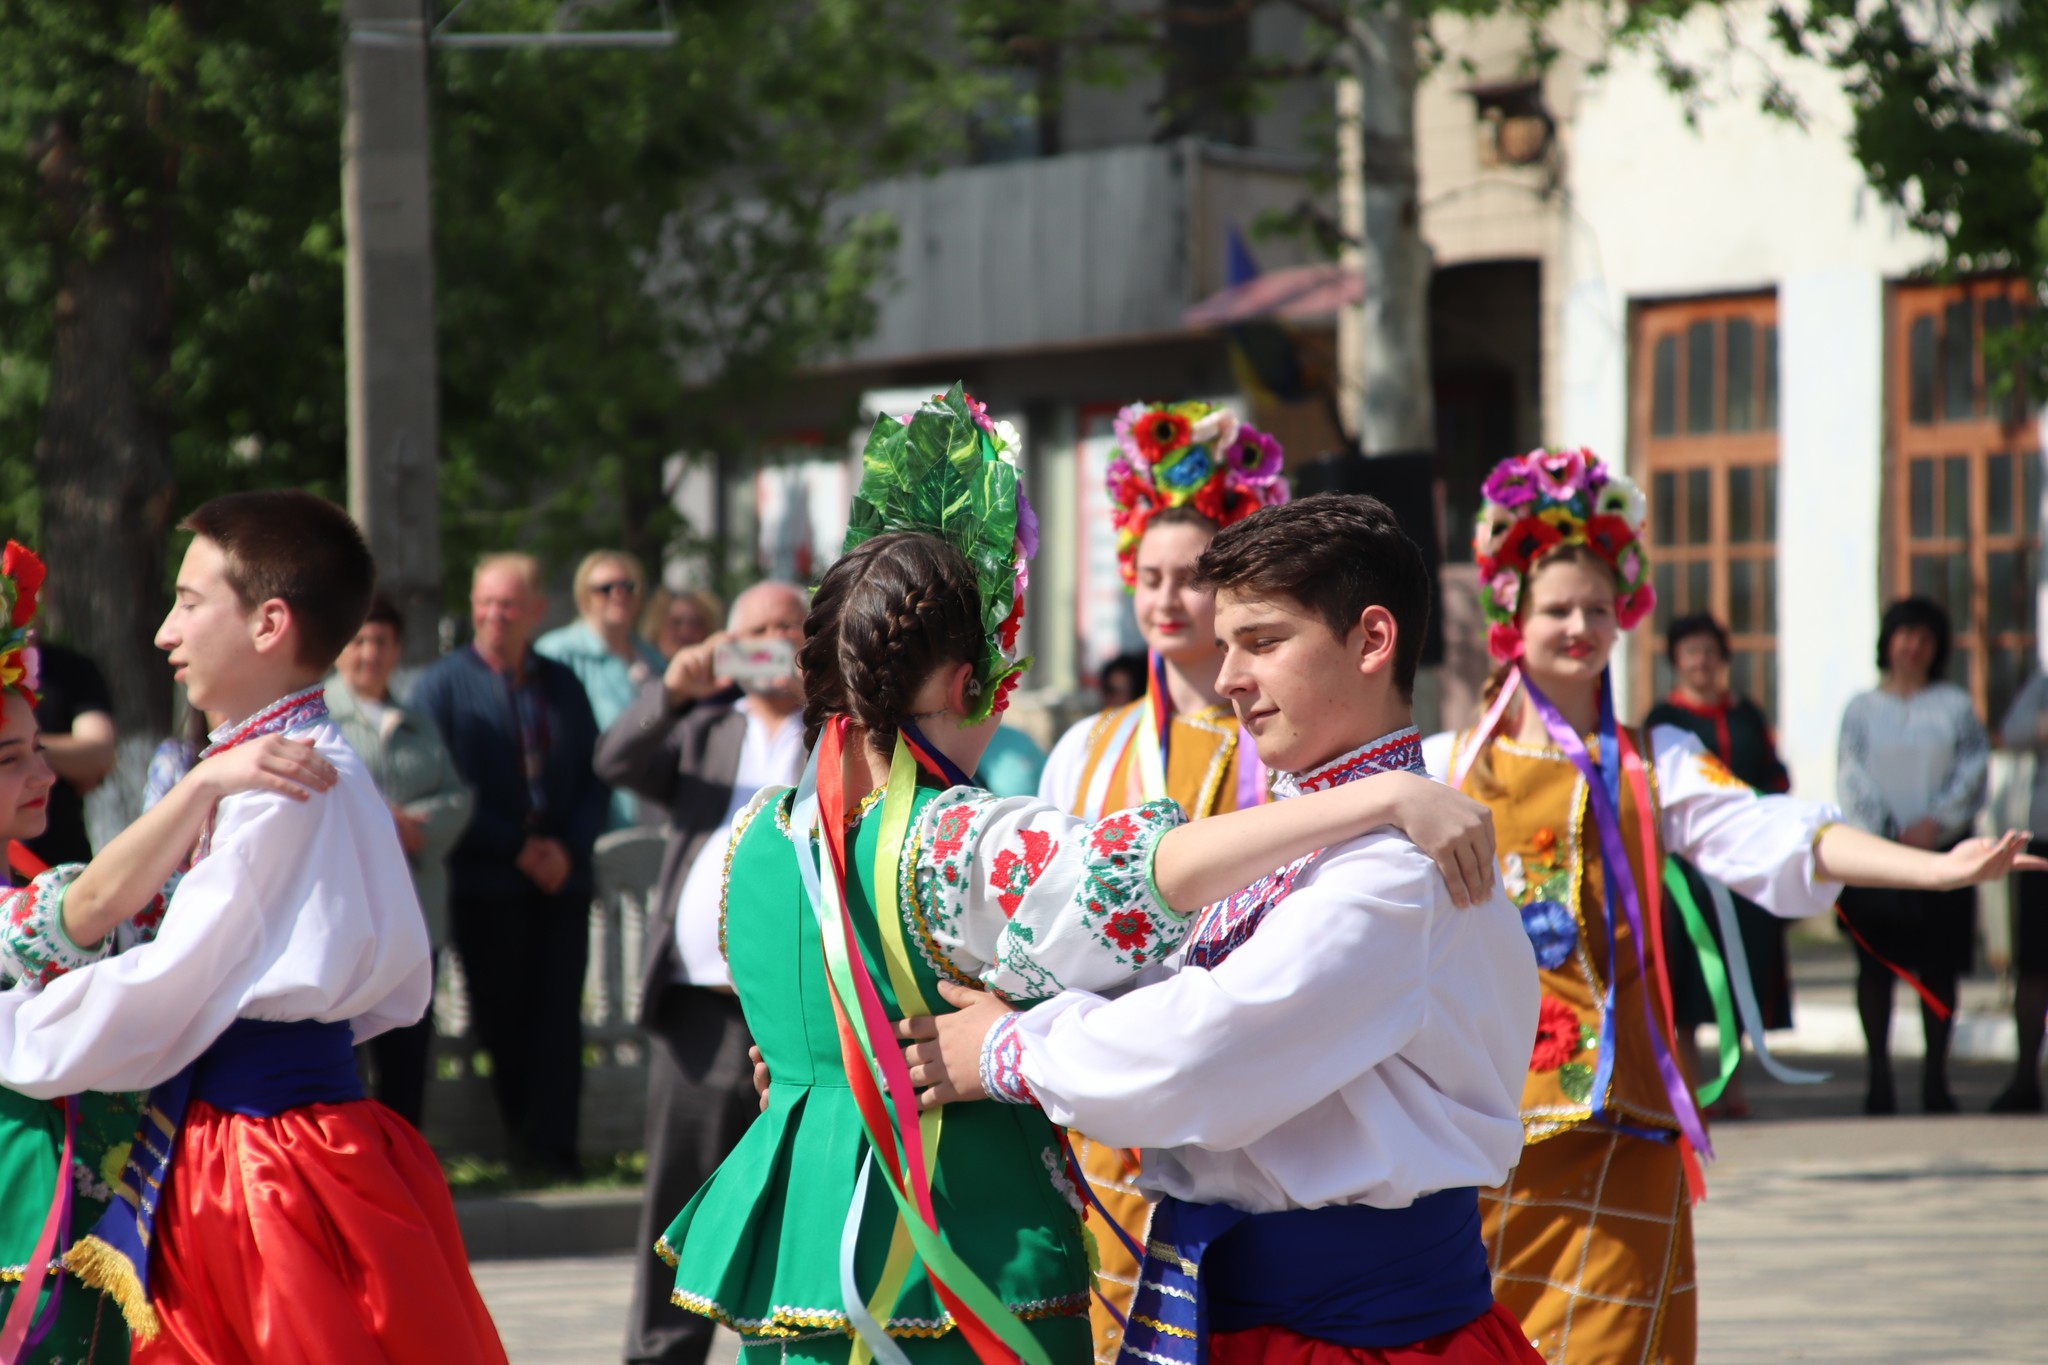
[[1335, 554], [299, 548], [889, 612], [1182, 515], [1130, 666], [1685, 627], [384, 612], [1915, 611]]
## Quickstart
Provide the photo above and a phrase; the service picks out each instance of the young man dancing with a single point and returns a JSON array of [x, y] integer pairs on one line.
[[268, 1212], [1335, 1068]]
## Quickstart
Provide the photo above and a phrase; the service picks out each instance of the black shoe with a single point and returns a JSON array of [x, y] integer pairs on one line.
[[1880, 1101], [2021, 1097], [1939, 1102]]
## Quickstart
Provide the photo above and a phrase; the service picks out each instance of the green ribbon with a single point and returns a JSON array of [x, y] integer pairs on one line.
[[1716, 973]]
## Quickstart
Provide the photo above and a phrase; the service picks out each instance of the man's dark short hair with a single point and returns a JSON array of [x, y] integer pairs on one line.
[[1333, 555], [299, 548], [1685, 627]]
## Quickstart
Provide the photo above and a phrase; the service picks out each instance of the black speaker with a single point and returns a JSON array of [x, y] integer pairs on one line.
[[1406, 482]]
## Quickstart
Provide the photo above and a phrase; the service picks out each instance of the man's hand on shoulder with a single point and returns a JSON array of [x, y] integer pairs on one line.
[[944, 1050]]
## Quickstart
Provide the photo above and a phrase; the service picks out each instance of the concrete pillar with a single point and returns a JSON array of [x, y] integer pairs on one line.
[[393, 403]]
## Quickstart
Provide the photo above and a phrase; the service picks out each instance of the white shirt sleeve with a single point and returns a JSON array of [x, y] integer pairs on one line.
[[1217, 1058], [302, 910], [1016, 895], [1762, 847]]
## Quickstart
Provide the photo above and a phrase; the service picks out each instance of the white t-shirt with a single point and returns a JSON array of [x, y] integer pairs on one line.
[[769, 757]]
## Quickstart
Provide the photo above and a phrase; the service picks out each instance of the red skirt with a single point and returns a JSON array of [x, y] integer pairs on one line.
[[1492, 1338], [321, 1235]]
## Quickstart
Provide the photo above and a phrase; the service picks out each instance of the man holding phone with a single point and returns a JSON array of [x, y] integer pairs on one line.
[[724, 721]]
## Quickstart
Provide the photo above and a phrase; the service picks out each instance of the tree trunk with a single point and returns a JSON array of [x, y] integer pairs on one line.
[[1384, 343], [103, 459]]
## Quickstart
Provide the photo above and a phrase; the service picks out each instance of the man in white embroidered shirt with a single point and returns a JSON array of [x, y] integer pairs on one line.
[[1334, 1066]]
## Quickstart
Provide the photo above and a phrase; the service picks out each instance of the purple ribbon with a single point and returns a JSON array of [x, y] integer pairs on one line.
[[1621, 885]]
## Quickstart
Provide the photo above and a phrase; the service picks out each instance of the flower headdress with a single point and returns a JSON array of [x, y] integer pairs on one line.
[[1187, 455], [1544, 501], [946, 470], [21, 578]]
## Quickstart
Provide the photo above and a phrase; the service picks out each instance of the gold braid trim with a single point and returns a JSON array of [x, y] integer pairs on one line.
[[100, 1267], [795, 1322]]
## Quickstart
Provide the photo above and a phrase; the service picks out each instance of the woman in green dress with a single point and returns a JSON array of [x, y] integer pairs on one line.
[[70, 1324], [845, 1226]]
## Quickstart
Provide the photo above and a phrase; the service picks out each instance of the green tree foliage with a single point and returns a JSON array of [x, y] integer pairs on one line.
[[1950, 106], [634, 251]]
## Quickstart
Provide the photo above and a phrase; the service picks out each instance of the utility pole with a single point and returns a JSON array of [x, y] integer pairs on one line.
[[394, 430]]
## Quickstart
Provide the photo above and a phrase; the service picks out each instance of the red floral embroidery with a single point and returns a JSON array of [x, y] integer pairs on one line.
[[1129, 929], [1014, 875], [1115, 834], [951, 835], [1557, 1035]]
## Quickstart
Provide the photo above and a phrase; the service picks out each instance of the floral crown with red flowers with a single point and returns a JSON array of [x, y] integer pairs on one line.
[[1187, 455], [1542, 502], [21, 578]]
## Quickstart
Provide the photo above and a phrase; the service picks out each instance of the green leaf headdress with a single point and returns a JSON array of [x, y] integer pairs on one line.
[[945, 470]]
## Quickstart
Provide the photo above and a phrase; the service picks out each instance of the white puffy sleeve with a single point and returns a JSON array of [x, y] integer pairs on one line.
[[33, 945], [1018, 896], [1761, 846], [1218, 1057], [303, 910]]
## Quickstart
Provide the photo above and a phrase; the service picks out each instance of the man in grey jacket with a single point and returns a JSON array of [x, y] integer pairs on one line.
[[693, 748]]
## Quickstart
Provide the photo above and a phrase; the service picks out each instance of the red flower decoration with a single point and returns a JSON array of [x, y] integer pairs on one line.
[[1129, 929], [1526, 542], [1504, 642], [1158, 432], [1115, 834], [1608, 536], [1557, 1035], [1224, 502], [1003, 691], [19, 563], [1633, 607], [952, 831]]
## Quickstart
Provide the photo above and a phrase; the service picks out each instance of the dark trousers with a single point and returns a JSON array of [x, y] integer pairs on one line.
[[399, 1059], [524, 957], [700, 1099]]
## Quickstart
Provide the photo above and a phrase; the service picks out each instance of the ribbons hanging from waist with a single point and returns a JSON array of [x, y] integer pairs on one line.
[[258, 1068], [1348, 1274]]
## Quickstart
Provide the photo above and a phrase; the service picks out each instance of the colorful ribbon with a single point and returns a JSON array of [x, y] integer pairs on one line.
[[1737, 967], [24, 1328], [1602, 784], [875, 1069], [1155, 745]]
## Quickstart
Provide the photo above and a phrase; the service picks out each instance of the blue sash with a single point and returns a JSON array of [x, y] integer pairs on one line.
[[1348, 1274], [258, 1068]]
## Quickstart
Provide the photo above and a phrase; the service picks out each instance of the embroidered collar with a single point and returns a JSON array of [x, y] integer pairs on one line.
[[1400, 751], [286, 713]]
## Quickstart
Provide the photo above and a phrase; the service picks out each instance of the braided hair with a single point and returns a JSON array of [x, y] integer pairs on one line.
[[887, 615]]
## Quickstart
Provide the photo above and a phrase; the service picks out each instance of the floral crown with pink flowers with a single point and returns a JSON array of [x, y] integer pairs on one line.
[[1187, 455], [1542, 502], [21, 578]]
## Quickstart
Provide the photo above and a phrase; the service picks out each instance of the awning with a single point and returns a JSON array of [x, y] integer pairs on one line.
[[1297, 294]]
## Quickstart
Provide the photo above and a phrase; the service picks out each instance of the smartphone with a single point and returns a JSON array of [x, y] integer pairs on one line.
[[759, 660]]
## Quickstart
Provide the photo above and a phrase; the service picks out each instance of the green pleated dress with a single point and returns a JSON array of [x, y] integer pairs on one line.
[[759, 1247], [89, 1327]]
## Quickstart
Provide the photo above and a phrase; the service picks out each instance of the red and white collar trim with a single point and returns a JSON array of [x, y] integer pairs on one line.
[[1400, 751], [286, 713]]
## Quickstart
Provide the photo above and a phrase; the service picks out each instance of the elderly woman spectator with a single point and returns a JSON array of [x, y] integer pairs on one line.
[[674, 621], [1912, 767], [603, 648], [429, 805]]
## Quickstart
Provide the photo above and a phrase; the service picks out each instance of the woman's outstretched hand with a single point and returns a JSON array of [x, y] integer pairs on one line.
[[289, 767], [944, 1050], [1453, 829], [1986, 859]]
